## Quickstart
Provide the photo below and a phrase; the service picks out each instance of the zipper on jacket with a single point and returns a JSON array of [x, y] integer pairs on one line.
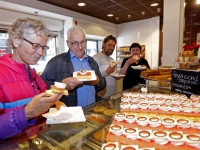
[[28, 74]]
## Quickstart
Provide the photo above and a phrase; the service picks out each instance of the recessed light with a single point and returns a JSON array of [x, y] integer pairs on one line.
[[81, 4], [154, 4], [129, 16], [117, 18], [110, 15], [143, 12]]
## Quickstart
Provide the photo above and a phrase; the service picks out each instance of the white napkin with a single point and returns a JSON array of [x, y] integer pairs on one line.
[[65, 115]]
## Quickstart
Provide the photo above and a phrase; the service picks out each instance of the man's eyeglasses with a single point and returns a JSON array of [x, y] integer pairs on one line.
[[36, 46], [76, 44]]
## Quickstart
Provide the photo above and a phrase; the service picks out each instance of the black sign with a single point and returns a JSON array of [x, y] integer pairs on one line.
[[186, 82]]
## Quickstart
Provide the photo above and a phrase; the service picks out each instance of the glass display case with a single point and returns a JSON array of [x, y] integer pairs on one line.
[[89, 135]]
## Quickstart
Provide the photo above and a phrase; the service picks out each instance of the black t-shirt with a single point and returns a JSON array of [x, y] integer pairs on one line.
[[132, 77]]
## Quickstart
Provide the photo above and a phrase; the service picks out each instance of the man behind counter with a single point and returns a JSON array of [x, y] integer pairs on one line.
[[104, 61], [61, 68]]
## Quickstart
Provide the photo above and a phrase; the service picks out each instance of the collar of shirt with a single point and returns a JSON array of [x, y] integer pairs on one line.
[[74, 56]]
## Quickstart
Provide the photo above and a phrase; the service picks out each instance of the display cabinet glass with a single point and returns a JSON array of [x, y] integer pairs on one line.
[[89, 135]]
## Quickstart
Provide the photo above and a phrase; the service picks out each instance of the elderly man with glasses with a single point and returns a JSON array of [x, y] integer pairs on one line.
[[61, 68]]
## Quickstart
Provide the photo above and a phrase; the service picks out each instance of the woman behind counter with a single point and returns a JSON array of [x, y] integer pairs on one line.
[[132, 77]]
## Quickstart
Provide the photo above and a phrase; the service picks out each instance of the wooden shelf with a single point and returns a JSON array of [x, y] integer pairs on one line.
[[123, 51]]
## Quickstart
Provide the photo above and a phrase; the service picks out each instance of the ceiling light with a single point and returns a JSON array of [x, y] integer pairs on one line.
[[143, 12], [129, 16], [198, 1], [81, 4], [158, 9], [154, 4], [110, 15]]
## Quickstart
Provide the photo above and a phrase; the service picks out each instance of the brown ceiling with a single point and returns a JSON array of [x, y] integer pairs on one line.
[[119, 8]]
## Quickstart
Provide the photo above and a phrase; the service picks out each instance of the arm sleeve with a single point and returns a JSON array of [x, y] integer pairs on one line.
[[147, 64], [123, 62], [14, 122], [103, 72], [102, 81]]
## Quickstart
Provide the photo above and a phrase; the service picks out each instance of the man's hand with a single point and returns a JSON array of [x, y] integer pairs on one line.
[[111, 69], [40, 104], [71, 82]]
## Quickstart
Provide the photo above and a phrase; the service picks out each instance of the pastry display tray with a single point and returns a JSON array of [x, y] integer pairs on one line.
[[98, 137], [63, 137]]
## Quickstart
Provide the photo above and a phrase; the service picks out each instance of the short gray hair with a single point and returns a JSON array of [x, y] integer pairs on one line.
[[25, 26], [74, 29]]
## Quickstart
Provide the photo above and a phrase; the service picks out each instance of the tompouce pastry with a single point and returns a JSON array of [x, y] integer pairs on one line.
[[58, 87], [136, 57], [83, 74]]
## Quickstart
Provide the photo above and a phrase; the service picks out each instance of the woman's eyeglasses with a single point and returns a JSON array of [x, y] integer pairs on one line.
[[36, 46]]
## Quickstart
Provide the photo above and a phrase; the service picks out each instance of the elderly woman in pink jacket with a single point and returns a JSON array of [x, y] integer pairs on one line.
[[22, 96]]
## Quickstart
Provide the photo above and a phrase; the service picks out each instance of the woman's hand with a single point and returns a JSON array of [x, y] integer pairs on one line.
[[40, 104]]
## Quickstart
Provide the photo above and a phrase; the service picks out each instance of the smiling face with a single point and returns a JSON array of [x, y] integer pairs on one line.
[[77, 36], [24, 52], [109, 47], [135, 51]]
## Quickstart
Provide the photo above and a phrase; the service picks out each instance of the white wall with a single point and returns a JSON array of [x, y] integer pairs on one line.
[[7, 17], [91, 25], [145, 32], [173, 24]]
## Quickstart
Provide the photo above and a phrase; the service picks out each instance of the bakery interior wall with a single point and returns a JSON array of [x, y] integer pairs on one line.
[[148, 33], [145, 32], [192, 27]]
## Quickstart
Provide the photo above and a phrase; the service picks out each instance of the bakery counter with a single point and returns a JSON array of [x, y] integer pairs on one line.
[[89, 135]]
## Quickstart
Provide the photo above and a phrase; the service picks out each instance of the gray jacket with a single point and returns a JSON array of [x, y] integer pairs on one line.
[[61, 67]]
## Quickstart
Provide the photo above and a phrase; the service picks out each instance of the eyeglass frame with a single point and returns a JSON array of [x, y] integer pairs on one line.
[[76, 44], [36, 45]]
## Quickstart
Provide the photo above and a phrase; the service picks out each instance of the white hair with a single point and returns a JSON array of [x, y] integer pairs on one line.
[[74, 29]]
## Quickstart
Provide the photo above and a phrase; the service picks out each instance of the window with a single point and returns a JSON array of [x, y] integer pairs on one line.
[[3, 39], [93, 47], [50, 53]]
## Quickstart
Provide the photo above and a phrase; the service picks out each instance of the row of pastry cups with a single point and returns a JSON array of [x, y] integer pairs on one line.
[[185, 102], [115, 146], [160, 137], [97, 116], [162, 107], [157, 121], [157, 95]]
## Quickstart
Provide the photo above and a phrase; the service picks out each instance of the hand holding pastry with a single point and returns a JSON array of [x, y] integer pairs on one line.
[[132, 60], [111, 68], [40, 104]]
